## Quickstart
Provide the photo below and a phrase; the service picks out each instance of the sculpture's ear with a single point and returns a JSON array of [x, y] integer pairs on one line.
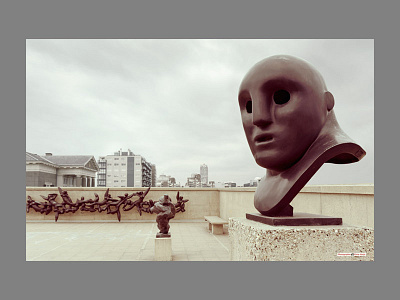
[[329, 100]]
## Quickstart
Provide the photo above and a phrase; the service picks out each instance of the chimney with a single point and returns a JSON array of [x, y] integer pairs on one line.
[[49, 154]]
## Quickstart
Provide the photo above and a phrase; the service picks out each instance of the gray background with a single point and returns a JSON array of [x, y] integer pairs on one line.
[[206, 19]]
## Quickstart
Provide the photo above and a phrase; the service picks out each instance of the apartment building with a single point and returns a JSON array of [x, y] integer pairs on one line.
[[124, 169], [194, 180]]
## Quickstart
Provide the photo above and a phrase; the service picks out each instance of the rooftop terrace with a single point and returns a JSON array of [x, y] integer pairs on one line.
[[125, 241]]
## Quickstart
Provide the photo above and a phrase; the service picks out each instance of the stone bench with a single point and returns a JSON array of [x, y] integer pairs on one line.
[[215, 224]]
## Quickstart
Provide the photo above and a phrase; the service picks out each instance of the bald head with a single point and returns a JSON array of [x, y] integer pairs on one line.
[[286, 66], [284, 104]]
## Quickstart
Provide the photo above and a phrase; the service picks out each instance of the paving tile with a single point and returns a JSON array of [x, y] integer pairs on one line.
[[63, 241]]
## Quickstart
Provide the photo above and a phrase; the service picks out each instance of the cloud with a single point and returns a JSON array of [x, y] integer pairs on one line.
[[175, 101]]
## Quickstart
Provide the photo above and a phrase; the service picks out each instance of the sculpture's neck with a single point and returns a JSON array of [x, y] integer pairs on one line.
[[277, 189]]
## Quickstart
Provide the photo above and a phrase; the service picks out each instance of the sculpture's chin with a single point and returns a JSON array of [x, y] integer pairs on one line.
[[273, 166]]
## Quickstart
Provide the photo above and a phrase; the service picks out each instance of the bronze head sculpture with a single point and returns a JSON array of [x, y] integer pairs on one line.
[[290, 126]]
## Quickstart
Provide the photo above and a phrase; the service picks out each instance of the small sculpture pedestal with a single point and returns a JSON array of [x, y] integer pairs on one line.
[[163, 247], [255, 241]]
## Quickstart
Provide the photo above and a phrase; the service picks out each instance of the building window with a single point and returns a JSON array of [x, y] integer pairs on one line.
[[116, 164], [116, 158]]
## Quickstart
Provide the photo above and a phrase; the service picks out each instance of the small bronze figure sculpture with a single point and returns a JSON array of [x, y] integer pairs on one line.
[[165, 210], [287, 115]]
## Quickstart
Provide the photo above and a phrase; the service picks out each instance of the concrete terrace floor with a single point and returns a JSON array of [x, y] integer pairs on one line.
[[125, 241]]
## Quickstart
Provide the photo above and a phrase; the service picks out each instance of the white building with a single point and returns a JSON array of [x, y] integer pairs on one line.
[[124, 169], [219, 184], [229, 184], [166, 181], [204, 174], [194, 180], [253, 183]]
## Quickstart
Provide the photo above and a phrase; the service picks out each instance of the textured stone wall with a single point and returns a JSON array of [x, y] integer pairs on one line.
[[254, 241], [202, 202]]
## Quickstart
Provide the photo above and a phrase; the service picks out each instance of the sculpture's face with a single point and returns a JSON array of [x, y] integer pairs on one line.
[[283, 107]]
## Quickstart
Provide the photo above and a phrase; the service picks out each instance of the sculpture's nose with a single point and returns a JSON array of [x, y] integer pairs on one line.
[[261, 110]]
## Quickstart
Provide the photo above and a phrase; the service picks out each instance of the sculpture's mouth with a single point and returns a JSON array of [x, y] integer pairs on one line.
[[263, 139]]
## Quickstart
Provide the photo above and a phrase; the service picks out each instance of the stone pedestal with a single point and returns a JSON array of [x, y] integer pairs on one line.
[[163, 249], [254, 241]]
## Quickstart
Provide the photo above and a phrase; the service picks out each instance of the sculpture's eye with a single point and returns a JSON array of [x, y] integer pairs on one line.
[[281, 97], [249, 106]]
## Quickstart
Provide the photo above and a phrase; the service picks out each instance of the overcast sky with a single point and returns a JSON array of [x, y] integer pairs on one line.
[[175, 101]]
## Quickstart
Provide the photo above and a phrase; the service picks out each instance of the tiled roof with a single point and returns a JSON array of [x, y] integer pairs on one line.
[[31, 157], [69, 160], [63, 160]]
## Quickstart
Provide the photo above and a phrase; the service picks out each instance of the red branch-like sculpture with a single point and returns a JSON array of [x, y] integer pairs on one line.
[[112, 206]]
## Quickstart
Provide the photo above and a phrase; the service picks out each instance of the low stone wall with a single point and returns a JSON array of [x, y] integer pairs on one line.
[[353, 203], [201, 202], [236, 202]]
